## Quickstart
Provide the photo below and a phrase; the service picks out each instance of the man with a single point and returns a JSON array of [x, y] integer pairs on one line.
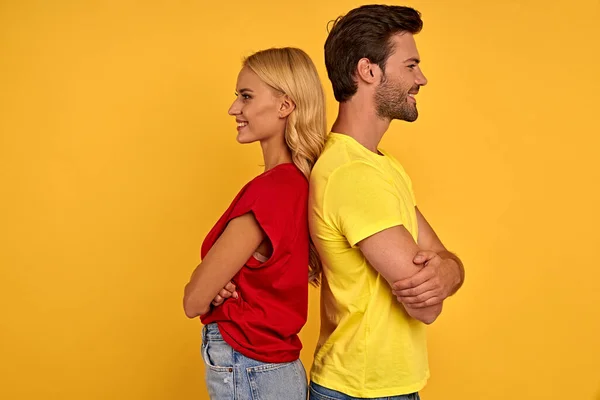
[[385, 272]]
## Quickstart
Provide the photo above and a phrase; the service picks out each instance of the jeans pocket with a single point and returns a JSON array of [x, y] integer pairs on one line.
[[218, 359], [217, 356], [278, 381]]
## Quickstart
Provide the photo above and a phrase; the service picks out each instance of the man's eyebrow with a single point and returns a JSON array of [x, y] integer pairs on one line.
[[413, 59]]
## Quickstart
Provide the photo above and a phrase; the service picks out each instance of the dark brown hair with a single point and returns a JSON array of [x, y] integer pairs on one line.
[[364, 33]]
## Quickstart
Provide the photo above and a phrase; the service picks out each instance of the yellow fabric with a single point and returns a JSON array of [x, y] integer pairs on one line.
[[368, 345]]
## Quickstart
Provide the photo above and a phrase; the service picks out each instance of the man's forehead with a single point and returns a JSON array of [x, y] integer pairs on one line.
[[404, 45]]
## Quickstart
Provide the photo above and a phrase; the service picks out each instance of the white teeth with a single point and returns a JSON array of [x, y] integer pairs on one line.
[[242, 124]]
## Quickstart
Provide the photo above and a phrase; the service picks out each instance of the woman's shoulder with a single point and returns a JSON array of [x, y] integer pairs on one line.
[[284, 179], [283, 174]]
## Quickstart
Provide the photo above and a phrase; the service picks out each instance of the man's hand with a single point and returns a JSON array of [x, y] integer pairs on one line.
[[438, 278], [225, 293]]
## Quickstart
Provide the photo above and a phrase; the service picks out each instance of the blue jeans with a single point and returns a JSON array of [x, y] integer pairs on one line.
[[233, 376], [318, 392]]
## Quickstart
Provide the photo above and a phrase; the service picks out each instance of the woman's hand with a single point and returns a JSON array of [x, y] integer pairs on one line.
[[225, 293]]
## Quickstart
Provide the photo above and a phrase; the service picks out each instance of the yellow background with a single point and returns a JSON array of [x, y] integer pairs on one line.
[[117, 155]]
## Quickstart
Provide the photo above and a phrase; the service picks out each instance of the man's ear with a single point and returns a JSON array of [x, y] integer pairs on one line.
[[368, 72]]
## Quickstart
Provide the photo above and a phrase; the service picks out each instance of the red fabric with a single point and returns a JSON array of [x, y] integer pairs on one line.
[[263, 323]]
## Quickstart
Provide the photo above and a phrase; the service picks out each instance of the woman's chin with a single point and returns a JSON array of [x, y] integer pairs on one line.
[[245, 139]]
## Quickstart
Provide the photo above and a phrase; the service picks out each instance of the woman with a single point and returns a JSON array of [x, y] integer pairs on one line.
[[254, 261]]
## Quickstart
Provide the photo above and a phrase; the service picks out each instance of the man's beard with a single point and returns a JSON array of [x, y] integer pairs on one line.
[[391, 102]]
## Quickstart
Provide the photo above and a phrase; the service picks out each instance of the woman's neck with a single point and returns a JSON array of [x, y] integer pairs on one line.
[[275, 152]]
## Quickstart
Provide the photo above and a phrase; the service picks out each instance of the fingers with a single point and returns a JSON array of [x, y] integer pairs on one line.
[[228, 291], [417, 279], [230, 287], [217, 301], [416, 291], [421, 298], [432, 301], [423, 256]]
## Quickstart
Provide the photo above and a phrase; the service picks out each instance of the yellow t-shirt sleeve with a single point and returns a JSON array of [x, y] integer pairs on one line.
[[360, 201]]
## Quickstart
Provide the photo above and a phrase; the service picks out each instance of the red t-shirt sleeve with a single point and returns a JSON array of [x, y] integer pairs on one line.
[[272, 201]]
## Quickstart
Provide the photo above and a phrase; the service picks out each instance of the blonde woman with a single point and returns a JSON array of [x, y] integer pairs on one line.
[[251, 289]]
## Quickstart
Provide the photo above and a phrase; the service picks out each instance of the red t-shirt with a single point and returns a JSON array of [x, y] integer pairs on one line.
[[264, 321]]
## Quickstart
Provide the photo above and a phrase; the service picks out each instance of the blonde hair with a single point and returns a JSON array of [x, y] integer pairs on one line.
[[291, 72]]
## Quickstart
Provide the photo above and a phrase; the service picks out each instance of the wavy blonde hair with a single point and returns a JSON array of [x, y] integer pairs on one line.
[[291, 72]]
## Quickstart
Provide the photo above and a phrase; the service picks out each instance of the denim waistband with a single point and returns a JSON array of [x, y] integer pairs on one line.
[[211, 332]]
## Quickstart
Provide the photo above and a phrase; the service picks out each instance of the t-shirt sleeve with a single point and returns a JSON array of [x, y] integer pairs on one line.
[[272, 203], [360, 201]]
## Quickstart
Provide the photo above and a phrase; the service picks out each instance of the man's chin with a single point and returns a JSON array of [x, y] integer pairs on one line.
[[409, 117]]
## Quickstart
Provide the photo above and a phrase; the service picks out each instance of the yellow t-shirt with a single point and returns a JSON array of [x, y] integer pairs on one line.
[[368, 346]]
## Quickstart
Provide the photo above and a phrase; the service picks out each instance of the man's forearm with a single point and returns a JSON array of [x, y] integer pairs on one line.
[[427, 315], [447, 255]]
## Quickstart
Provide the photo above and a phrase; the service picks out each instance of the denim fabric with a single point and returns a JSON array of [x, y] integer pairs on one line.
[[233, 376], [318, 392]]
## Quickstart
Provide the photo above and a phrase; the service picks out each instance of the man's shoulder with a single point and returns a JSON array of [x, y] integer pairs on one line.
[[338, 156]]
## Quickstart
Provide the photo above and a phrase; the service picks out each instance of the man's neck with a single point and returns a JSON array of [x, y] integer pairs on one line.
[[360, 121]]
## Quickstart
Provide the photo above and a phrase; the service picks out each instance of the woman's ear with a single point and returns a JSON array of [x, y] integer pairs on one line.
[[286, 107]]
